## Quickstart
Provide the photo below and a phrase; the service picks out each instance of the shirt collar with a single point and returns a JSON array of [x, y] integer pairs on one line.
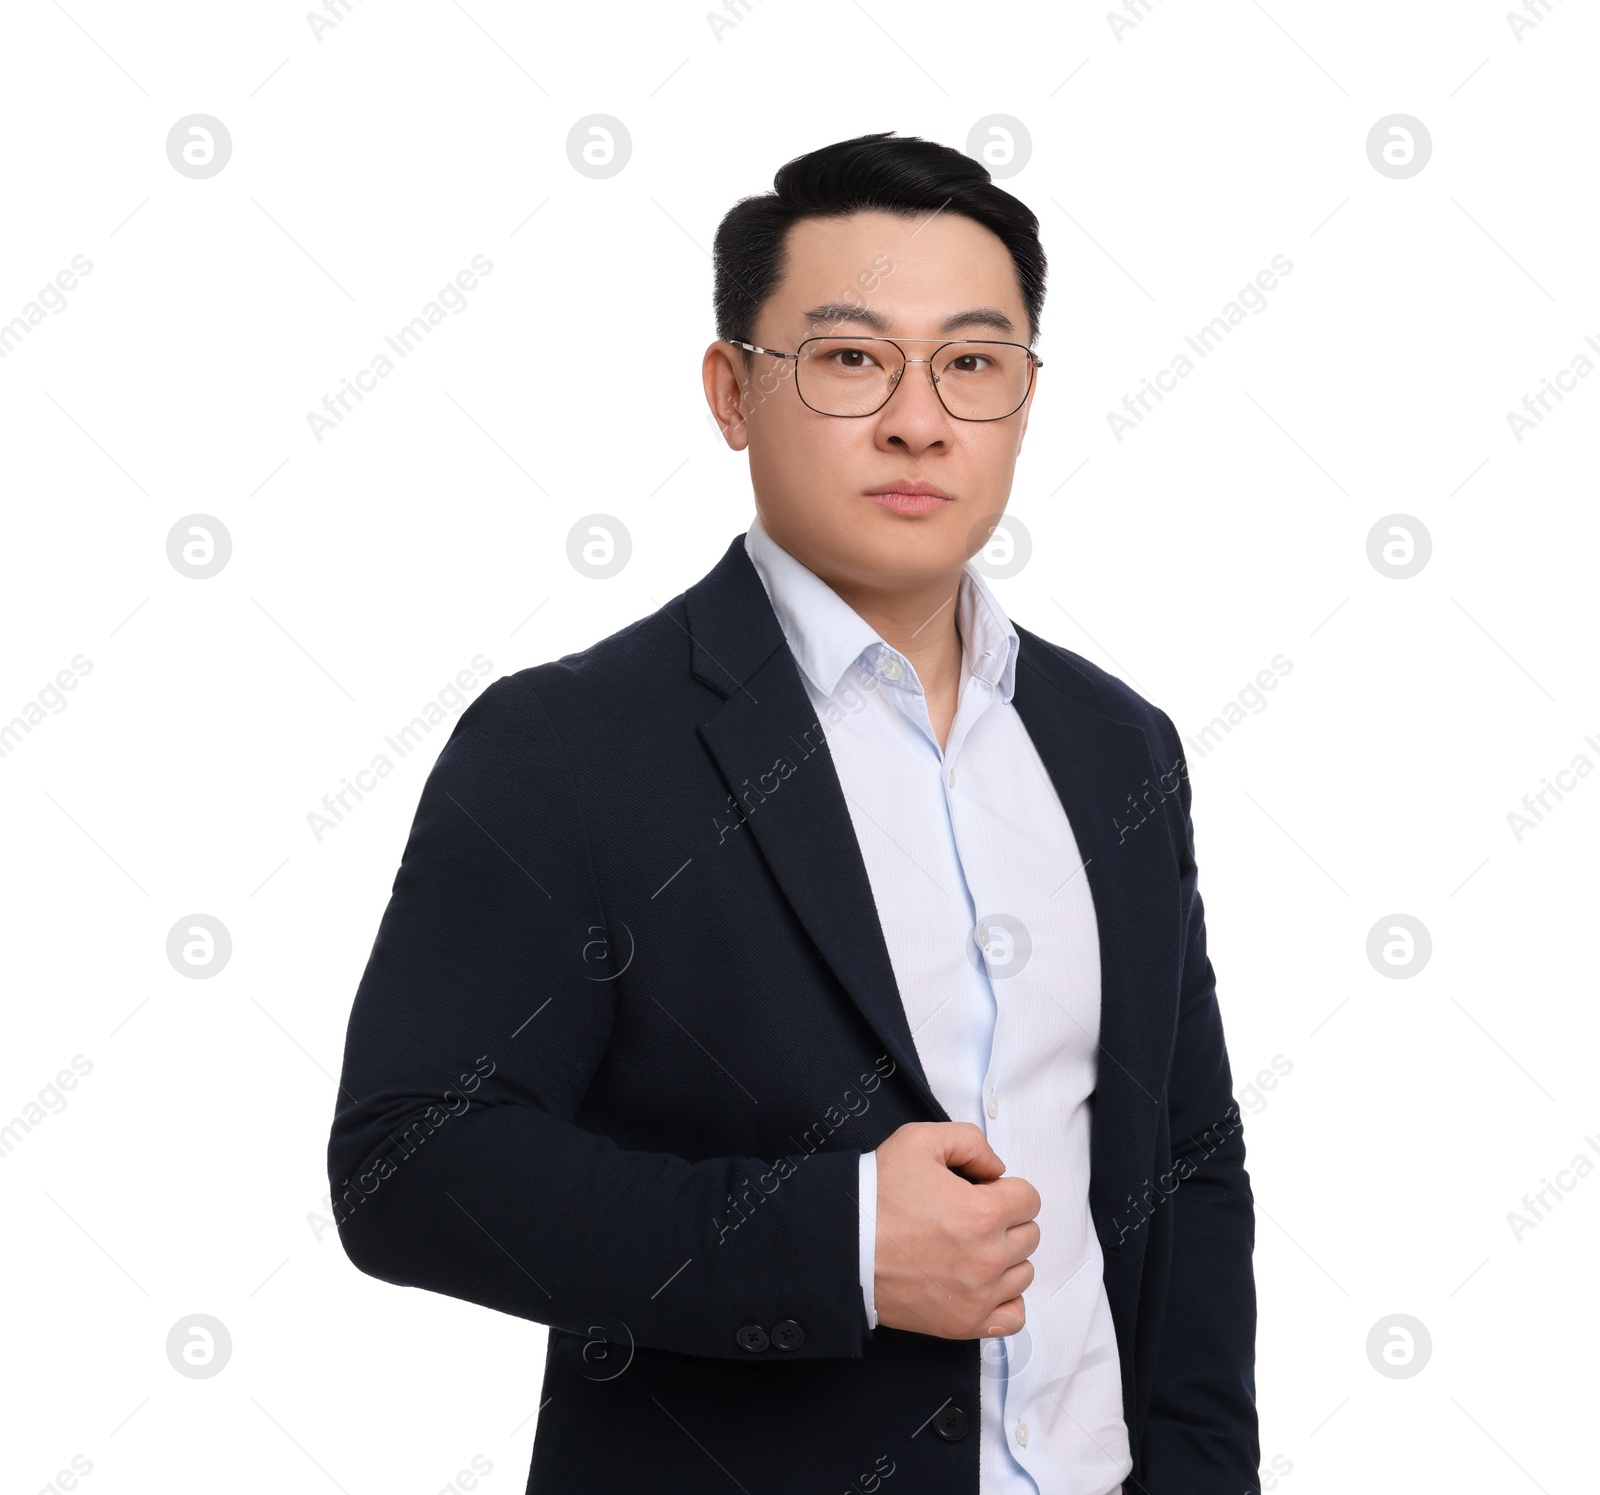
[[827, 635]]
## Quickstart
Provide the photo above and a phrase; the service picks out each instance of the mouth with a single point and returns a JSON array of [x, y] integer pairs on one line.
[[914, 496]]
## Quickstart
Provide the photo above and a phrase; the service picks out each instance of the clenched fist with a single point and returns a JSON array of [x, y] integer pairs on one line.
[[952, 1246]]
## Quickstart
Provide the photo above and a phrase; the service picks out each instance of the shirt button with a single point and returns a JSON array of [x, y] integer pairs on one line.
[[994, 1106], [1022, 1433], [890, 669], [952, 778]]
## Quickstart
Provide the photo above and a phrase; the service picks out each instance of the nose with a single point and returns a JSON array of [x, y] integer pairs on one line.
[[899, 374], [914, 416]]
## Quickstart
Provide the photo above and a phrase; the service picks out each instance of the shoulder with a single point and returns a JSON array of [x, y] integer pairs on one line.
[[613, 678], [1099, 690]]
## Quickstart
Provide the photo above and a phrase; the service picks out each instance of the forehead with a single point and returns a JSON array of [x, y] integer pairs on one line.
[[919, 267]]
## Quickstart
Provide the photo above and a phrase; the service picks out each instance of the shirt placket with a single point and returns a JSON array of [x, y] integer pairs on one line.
[[996, 943], [992, 939]]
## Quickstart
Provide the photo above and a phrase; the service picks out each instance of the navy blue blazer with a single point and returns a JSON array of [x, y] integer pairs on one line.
[[629, 1020]]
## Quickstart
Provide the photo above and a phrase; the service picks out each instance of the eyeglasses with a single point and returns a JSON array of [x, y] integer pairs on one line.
[[850, 377]]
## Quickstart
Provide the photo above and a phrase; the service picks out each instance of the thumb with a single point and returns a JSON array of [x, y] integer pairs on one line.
[[964, 1148]]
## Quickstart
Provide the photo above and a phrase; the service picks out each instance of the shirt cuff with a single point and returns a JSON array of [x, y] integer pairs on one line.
[[868, 1246]]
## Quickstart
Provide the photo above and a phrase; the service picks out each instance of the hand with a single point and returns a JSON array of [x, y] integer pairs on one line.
[[952, 1250]]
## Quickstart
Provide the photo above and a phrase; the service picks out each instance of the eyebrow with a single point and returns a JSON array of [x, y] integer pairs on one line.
[[978, 316]]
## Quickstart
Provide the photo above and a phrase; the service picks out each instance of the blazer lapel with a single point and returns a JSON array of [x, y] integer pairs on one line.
[[1105, 776], [773, 753]]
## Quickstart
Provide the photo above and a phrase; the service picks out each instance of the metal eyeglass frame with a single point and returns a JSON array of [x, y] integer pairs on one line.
[[1034, 364]]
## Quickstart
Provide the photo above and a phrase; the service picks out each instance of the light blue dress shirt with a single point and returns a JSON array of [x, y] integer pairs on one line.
[[990, 928]]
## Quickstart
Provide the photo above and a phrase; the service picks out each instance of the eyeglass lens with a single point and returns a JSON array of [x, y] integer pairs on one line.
[[856, 376]]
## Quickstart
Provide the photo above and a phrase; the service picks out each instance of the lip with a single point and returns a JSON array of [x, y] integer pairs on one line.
[[912, 496]]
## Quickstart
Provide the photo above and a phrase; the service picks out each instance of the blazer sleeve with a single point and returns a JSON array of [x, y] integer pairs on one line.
[[483, 1013], [1201, 1434]]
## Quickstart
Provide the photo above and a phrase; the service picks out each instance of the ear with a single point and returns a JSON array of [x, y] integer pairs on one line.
[[723, 375]]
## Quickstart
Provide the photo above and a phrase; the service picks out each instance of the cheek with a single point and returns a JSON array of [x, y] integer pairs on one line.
[[1003, 440], [987, 459], [801, 464], [796, 445]]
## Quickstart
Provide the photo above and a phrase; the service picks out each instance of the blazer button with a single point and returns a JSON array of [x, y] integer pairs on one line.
[[788, 1335], [951, 1424], [752, 1337]]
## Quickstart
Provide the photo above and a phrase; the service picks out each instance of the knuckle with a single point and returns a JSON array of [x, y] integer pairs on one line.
[[985, 1215], [989, 1264]]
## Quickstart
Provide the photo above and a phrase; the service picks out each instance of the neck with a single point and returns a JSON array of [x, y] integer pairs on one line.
[[921, 624]]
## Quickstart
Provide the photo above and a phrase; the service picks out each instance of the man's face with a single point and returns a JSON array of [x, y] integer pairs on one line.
[[812, 472]]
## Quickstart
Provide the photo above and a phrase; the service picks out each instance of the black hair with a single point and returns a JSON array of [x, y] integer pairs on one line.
[[905, 175]]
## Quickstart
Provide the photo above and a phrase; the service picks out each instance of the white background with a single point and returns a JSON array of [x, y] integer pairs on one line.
[[185, 1174]]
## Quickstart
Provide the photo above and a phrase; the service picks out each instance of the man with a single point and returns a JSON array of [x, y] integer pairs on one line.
[[799, 1000]]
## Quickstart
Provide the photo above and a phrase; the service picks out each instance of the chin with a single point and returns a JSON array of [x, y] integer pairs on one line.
[[910, 551]]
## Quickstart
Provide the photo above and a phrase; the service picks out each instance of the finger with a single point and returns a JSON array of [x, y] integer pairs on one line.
[[1007, 1318], [1023, 1240], [1018, 1199], [965, 1149], [1014, 1281]]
